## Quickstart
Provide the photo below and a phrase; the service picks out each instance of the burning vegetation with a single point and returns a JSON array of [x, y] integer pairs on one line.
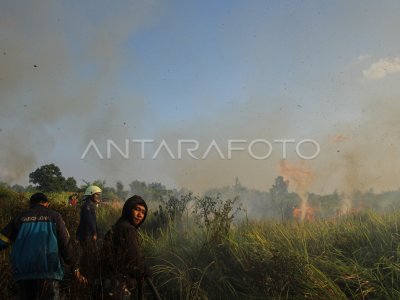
[[200, 248], [257, 244]]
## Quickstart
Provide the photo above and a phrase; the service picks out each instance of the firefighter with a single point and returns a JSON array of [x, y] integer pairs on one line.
[[87, 232], [40, 240]]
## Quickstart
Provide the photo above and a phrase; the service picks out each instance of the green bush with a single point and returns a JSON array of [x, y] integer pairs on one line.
[[206, 255]]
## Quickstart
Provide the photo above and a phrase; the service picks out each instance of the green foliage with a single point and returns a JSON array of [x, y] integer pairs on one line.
[[138, 187], [282, 201], [107, 214], [353, 257], [120, 190], [48, 178], [11, 204], [280, 187], [216, 215], [154, 191], [70, 185], [175, 206], [170, 212]]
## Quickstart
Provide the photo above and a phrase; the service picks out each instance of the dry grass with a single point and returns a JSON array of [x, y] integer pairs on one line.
[[355, 257]]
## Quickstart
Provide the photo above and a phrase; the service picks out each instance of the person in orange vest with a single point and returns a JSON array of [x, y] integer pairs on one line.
[[73, 199]]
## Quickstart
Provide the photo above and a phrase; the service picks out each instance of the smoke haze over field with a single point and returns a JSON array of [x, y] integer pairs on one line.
[[73, 72]]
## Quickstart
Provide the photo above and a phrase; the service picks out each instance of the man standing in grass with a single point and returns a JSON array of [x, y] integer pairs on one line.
[[39, 239], [122, 258], [87, 232]]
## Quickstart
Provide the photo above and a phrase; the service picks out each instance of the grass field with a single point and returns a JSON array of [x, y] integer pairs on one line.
[[352, 257]]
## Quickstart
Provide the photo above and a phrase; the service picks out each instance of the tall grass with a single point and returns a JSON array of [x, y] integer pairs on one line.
[[351, 258], [354, 257]]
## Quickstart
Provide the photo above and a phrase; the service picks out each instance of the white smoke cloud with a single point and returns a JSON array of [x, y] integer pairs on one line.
[[363, 57], [382, 68], [60, 69]]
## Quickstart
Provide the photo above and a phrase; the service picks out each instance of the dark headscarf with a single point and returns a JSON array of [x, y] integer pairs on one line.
[[129, 205]]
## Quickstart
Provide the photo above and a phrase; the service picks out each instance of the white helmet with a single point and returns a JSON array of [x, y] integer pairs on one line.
[[92, 189]]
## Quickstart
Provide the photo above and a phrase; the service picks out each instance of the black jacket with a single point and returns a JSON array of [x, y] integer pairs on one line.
[[121, 252], [87, 224]]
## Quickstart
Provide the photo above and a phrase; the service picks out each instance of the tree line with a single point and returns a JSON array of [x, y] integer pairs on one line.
[[277, 202]]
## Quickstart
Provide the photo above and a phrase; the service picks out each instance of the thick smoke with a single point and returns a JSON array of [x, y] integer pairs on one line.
[[63, 74], [59, 73]]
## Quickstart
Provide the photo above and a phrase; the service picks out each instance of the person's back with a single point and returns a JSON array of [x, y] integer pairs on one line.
[[39, 239], [39, 232]]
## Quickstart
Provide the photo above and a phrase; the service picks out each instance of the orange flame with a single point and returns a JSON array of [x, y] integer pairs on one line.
[[300, 215], [302, 177]]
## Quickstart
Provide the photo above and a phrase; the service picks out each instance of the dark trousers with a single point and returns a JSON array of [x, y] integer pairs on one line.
[[38, 289], [89, 260]]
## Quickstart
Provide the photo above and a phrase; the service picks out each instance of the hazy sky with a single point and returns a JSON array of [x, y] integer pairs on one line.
[[72, 72]]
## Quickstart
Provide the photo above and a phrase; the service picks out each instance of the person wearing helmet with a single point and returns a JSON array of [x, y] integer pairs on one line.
[[87, 228], [87, 232], [40, 239], [123, 263]]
